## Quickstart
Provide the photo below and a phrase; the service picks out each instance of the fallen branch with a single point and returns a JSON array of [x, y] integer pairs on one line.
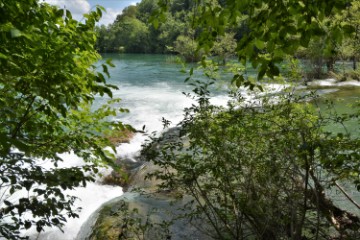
[[341, 219], [347, 195]]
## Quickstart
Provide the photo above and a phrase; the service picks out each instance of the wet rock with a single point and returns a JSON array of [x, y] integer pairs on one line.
[[143, 216], [143, 212]]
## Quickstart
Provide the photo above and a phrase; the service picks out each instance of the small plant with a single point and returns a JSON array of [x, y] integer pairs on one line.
[[119, 136], [120, 178]]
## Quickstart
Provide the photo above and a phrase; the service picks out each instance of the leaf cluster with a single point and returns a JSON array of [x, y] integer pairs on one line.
[[48, 82], [260, 170], [267, 32]]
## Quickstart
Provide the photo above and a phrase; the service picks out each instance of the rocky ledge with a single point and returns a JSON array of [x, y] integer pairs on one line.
[[142, 212]]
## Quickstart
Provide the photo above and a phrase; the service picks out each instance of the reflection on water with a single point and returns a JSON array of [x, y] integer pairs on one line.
[[343, 101]]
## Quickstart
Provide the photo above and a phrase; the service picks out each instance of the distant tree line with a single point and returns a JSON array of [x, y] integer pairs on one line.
[[137, 30], [133, 31]]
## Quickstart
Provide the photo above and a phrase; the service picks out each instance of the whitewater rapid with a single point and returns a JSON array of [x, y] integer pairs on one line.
[[151, 95]]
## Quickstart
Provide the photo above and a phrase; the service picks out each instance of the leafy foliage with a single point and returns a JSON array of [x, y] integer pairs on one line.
[[259, 170], [268, 31], [260, 33], [48, 82], [187, 46], [131, 35], [172, 36]]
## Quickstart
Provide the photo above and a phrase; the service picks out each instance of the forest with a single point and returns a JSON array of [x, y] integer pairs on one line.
[[252, 169], [137, 30]]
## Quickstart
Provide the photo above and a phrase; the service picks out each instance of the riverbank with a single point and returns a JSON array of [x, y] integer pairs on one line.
[[144, 196]]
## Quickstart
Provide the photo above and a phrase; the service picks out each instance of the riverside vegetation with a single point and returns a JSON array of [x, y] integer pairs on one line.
[[226, 28], [262, 169], [48, 82], [250, 172]]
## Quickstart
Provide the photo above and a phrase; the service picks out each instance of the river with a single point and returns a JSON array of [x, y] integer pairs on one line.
[[151, 87]]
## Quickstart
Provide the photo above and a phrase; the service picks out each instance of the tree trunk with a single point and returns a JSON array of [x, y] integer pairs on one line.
[[354, 63], [341, 220], [330, 63]]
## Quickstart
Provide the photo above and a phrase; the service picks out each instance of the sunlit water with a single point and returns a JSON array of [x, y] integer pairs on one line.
[[151, 88]]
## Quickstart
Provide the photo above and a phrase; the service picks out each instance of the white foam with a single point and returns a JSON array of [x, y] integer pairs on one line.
[[349, 83], [323, 83], [148, 103], [333, 83], [90, 197]]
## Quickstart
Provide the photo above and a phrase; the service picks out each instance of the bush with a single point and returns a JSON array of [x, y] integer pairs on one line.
[[260, 171]]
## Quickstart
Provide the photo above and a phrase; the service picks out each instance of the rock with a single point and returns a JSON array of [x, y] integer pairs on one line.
[[143, 212], [121, 176], [143, 216]]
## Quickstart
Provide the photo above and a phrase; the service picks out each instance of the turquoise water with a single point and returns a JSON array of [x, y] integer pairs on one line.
[[340, 102], [337, 102], [151, 87], [144, 70]]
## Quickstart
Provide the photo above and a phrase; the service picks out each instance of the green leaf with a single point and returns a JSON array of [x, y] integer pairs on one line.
[[348, 29], [328, 9], [59, 13], [27, 224], [337, 35], [262, 71], [68, 14], [15, 33], [155, 23], [100, 78], [239, 80], [273, 70], [304, 39], [3, 56], [106, 70], [259, 44], [4, 179], [109, 62], [108, 92], [27, 185]]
